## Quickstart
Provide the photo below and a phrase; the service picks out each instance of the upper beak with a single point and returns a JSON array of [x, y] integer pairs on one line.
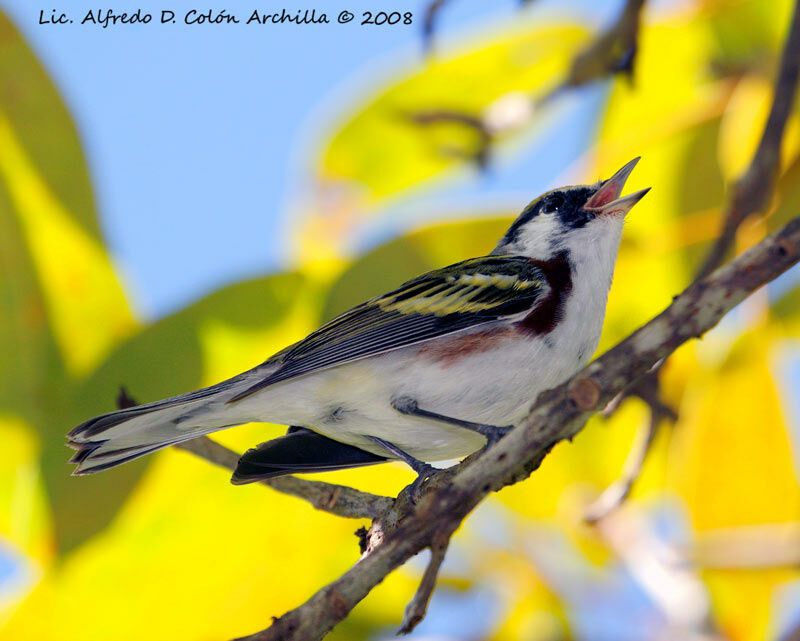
[[606, 200]]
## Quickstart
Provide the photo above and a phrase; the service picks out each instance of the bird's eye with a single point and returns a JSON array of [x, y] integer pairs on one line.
[[554, 203]]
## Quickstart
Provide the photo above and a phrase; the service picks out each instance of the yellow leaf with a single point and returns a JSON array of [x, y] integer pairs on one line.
[[673, 88], [384, 152], [189, 557], [742, 124], [85, 302], [384, 148], [732, 458], [26, 543], [23, 510], [742, 600]]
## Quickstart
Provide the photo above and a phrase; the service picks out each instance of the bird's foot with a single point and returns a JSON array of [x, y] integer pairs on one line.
[[415, 487], [423, 470], [493, 433]]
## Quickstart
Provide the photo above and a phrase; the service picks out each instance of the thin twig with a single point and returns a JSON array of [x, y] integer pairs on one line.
[[450, 495], [480, 154], [416, 609], [646, 389], [762, 546], [616, 493], [664, 574], [429, 23], [611, 52]]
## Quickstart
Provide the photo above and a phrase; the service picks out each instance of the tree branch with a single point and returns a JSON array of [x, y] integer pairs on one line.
[[749, 195], [450, 495], [328, 497], [753, 191]]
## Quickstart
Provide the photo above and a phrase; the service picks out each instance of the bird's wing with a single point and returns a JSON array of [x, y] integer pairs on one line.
[[463, 295]]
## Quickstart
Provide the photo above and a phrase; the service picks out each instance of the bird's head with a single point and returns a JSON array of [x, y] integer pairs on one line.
[[577, 218]]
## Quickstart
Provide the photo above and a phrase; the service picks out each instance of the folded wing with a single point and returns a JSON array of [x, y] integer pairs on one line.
[[465, 295]]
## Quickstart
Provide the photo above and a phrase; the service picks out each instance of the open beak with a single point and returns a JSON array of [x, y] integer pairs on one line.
[[606, 200]]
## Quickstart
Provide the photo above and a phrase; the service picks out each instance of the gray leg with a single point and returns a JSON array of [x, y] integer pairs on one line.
[[421, 468], [492, 433]]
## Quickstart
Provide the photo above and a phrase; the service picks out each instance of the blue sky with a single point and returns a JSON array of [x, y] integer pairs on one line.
[[195, 134]]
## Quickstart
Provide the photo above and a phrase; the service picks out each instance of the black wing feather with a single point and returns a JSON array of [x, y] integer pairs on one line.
[[299, 451]]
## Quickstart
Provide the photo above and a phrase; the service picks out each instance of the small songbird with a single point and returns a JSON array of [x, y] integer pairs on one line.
[[431, 371]]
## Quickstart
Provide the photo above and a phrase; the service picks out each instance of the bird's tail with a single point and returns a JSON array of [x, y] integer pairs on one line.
[[117, 437]]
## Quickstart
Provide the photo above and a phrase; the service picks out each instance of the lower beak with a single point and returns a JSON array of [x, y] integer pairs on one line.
[[622, 206], [606, 200]]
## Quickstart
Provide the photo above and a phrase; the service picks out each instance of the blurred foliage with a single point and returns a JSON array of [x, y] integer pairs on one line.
[[166, 548], [382, 151]]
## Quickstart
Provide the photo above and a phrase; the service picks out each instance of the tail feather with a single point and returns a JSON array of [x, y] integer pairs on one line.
[[84, 451], [120, 456], [118, 437]]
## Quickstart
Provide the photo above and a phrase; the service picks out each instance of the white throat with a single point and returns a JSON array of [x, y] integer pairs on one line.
[[592, 256], [591, 251]]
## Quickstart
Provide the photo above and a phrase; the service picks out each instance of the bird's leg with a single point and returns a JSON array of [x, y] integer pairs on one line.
[[422, 469], [492, 433]]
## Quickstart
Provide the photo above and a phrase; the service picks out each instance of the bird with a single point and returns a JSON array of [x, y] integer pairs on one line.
[[434, 370]]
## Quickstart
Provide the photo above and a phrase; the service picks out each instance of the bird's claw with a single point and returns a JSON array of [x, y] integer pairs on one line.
[[424, 472], [494, 433]]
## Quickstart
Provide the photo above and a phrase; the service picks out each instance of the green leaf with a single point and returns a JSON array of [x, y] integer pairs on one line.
[[787, 307], [164, 359], [31, 361], [766, 22], [62, 307], [788, 192], [32, 365], [44, 127]]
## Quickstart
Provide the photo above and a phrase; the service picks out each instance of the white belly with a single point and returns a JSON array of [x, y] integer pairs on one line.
[[494, 387]]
